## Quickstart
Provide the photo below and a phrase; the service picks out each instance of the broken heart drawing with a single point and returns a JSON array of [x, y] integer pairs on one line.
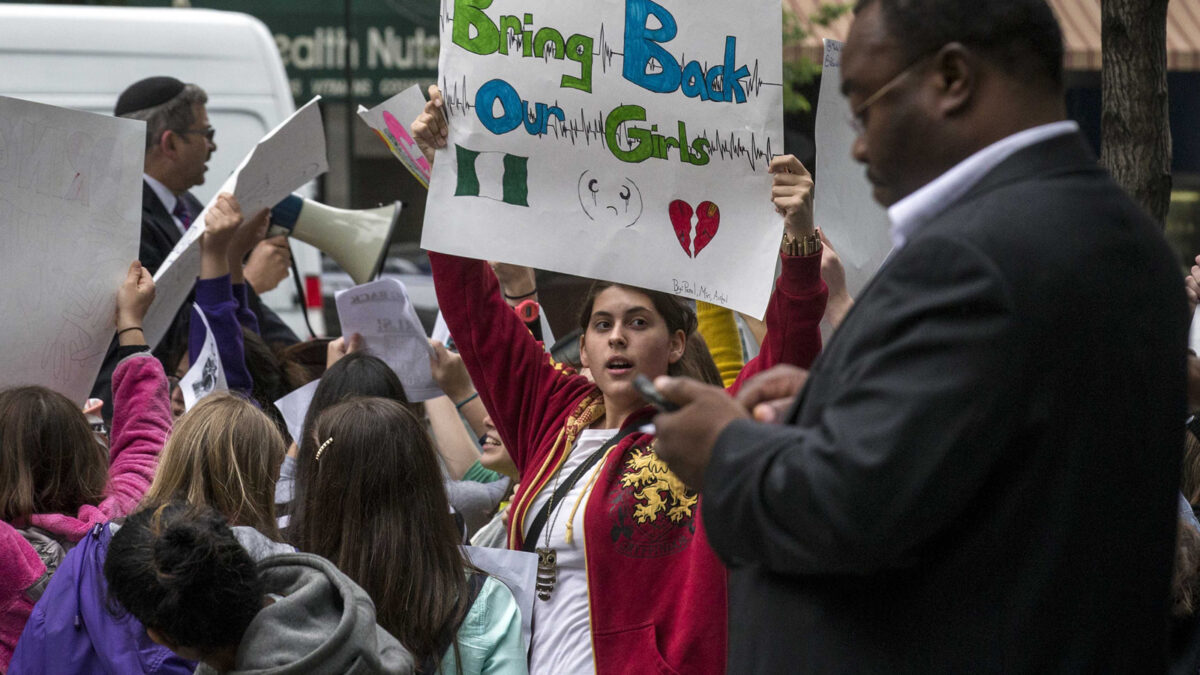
[[708, 221]]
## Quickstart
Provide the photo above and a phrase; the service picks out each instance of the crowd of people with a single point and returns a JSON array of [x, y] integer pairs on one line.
[[987, 468]]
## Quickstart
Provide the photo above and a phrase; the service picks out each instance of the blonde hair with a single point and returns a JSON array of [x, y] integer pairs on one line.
[[224, 453]]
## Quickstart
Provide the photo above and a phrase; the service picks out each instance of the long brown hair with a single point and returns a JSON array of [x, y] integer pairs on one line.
[[224, 453], [697, 361], [50, 461], [374, 504]]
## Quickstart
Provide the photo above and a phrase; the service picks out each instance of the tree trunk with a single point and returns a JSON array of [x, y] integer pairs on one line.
[[1135, 134]]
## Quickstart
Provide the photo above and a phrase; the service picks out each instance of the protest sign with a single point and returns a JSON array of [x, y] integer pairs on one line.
[[390, 121], [382, 314], [207, 374], [70, 200], [289, 156], [625, 140], [843, 206]]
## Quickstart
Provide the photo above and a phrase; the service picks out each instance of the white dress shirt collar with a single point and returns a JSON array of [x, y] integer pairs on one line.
[[918, 208], [165, 196]]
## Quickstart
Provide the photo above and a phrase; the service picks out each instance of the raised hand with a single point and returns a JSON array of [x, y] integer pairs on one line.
[[134, 297], [792, 194], [429, 130]]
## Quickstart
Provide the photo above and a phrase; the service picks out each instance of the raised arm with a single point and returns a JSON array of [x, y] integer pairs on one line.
[[141, 406], [798, 301]]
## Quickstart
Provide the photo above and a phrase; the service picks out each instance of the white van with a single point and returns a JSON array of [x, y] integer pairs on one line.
[[84, 57]]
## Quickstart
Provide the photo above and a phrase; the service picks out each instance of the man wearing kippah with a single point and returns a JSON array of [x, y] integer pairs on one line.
[[179, 143]]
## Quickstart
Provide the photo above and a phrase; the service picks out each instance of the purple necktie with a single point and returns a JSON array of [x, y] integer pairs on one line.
[[182, 213]]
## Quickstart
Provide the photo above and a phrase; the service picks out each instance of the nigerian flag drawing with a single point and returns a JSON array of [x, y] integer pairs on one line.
[[494, 175]]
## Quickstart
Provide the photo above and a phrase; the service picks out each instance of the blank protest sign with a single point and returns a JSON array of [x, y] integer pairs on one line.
[[70, 214]]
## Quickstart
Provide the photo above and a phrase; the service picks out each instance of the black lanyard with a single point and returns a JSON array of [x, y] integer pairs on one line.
[[535, 530]]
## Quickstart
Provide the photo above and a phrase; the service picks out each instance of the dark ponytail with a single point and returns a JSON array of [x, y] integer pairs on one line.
[[179, 570]]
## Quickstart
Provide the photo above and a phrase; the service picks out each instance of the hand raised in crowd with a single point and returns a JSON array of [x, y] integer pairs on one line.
[[1191, 284], [249, 234], [834, 276], [341, 347], [792, 194], [430, 130], [134, 297], [517, 282], [220, 228], [450, 373], [269, 264]]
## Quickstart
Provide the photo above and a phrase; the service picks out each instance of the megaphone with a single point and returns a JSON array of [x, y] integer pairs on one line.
[[356, 239]]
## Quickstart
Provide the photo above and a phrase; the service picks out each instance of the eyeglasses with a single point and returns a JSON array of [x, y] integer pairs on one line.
[[209, 133], [855, 118]]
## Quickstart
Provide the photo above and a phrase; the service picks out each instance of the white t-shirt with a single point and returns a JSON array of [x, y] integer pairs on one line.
[[562, 630]]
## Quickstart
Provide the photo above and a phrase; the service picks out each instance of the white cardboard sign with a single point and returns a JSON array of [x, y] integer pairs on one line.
[[843, 207], [626, 140], [70, 203], [289, 156]]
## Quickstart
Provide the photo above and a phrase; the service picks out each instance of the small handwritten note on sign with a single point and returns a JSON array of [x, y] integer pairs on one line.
[[619, 139], [70, 203]]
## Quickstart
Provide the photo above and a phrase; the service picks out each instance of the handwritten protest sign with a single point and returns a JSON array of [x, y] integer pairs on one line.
[[289, 156], [207, 374], [855, 223], [624, 140], [382, 314], [390, 121], [70, 200]]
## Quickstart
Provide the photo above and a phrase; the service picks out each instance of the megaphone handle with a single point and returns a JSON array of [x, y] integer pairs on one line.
[[300, 292]]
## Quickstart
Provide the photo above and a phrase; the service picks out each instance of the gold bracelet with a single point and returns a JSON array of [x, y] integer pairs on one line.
[[809, 244]]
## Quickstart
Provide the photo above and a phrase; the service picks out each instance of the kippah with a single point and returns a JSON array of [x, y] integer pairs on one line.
[[147, 93]]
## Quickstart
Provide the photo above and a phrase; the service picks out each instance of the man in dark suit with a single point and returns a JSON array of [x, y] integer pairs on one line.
[[179, 143], [980, 472]]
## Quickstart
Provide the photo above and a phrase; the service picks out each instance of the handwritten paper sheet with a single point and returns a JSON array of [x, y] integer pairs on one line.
[[381, 312], [518, 571], [289, 156], [843, 206], [294, 407], [626, 141], [207, 374], [70, 207], [390, 121]]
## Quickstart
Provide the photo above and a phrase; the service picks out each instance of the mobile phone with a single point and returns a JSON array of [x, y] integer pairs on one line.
[[648, 391]]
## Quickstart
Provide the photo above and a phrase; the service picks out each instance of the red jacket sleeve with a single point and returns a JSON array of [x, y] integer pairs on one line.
[[524, 391], [793, 318]]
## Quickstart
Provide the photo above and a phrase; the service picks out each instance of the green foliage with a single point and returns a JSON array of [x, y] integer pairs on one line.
[[799, 73]]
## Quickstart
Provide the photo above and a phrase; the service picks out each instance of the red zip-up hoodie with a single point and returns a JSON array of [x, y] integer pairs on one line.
[[656, 590]]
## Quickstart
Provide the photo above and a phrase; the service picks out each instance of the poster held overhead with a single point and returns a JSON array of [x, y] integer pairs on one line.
[[626, 141], [289, 156], [843, 206], [390, 121], [70, 203]]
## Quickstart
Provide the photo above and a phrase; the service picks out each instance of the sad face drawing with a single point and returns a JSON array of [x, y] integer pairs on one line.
[[608, 200]]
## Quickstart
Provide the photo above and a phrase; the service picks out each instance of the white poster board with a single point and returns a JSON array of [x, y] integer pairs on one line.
[[381, 312], [289, 156], [207, 374], [294, 408], [70, 207], [843, 206], [626, 140], [390, 121]]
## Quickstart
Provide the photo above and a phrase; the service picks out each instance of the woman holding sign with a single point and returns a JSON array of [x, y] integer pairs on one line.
[[626, 579]]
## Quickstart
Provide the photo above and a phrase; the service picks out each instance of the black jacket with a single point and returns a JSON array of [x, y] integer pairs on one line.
[[981, 472]]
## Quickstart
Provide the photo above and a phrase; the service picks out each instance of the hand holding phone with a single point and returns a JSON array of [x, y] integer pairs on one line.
[[649, 392]]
